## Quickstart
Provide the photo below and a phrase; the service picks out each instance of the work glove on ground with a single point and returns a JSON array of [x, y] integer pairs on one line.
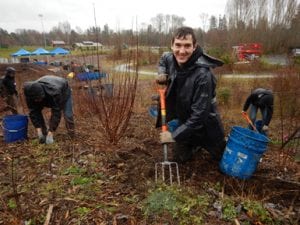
[[265, 128], [49, 138], [162, 79], [166, 137], [41, 137]]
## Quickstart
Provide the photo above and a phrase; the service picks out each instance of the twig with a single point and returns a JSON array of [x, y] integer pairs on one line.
[[14, 187], [48, 217], [236, 221], [290, 138]]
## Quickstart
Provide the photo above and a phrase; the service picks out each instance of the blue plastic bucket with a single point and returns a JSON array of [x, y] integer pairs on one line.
[[243, 152], [15, 128]]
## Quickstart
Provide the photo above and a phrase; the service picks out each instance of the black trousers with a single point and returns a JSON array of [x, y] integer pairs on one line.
[[184, 151]]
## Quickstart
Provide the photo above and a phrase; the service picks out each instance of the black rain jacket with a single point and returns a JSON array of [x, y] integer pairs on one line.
[[9, 85], [57, 92], [261, 98], [191, 98]]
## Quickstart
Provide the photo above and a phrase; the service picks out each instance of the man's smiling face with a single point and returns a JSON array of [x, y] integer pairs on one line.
[[183, 48]]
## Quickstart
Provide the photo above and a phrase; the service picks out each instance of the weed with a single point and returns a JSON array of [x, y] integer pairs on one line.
[[81, 180], [82, 211], [228, 209], [257, 210], [224, 94], [132, 199], [52, 187], [12, 204], [108, 208], [179, 204], [74, 170]]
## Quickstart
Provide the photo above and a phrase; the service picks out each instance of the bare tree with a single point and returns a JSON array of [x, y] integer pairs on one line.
[[65, 28], [277, 12], [204, 20], [212, 23], [158, 22]]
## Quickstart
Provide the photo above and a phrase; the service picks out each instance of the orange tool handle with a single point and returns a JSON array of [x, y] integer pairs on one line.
[[162, 92], [245, 115]]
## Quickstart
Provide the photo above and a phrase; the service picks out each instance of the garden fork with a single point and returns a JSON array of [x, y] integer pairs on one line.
[[166, 165]]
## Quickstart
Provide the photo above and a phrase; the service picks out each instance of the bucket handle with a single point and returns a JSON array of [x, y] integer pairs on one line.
[[12, 131]]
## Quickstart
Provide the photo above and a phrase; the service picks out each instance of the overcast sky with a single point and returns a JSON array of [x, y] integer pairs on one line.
[[118, 14]]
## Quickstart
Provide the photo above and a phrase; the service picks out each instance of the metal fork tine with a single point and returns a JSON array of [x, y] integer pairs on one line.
[[170, 173], [166, 165], [163, 172]]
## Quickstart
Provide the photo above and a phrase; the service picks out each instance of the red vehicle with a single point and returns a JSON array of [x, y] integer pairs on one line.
[[247, 51]]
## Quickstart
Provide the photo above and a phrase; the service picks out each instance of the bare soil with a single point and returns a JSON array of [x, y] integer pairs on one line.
[[35, 177]]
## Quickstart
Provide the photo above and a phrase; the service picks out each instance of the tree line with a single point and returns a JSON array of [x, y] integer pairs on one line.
[[273, 23]]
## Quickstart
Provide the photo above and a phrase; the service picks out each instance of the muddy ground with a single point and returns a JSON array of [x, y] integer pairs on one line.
[[39, 179]]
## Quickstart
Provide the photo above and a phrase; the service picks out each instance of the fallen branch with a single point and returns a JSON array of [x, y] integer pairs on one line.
[[48, 217], [236, 221]]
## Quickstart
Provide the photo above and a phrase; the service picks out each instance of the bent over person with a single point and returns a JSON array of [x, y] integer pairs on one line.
[[190, 98], [51, 92], [263, 100]]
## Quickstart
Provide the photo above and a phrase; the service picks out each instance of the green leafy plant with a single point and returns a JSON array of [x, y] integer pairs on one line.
[[228, 209], [82, 211], [12, 203], [257, 210], [81, 180], [74, 170], [178, 204]]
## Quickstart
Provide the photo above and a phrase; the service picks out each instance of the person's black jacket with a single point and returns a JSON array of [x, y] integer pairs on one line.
[[261, 98], [57, 92], [191, 98], [9, 85]]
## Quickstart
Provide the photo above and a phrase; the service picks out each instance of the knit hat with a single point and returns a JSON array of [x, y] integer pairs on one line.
[[34, 90], [10, 71]]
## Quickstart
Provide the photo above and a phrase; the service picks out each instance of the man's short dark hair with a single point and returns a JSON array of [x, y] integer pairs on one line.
[[182, 32]]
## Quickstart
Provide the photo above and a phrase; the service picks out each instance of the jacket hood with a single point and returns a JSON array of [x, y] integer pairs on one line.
[[209, 61], [33, 90]]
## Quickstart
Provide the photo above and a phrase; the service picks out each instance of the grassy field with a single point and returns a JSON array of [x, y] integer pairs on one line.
[[6, 52]]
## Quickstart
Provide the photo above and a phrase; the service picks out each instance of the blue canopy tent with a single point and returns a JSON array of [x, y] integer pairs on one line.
[[21, 52], [59, 51], [40, 51]]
